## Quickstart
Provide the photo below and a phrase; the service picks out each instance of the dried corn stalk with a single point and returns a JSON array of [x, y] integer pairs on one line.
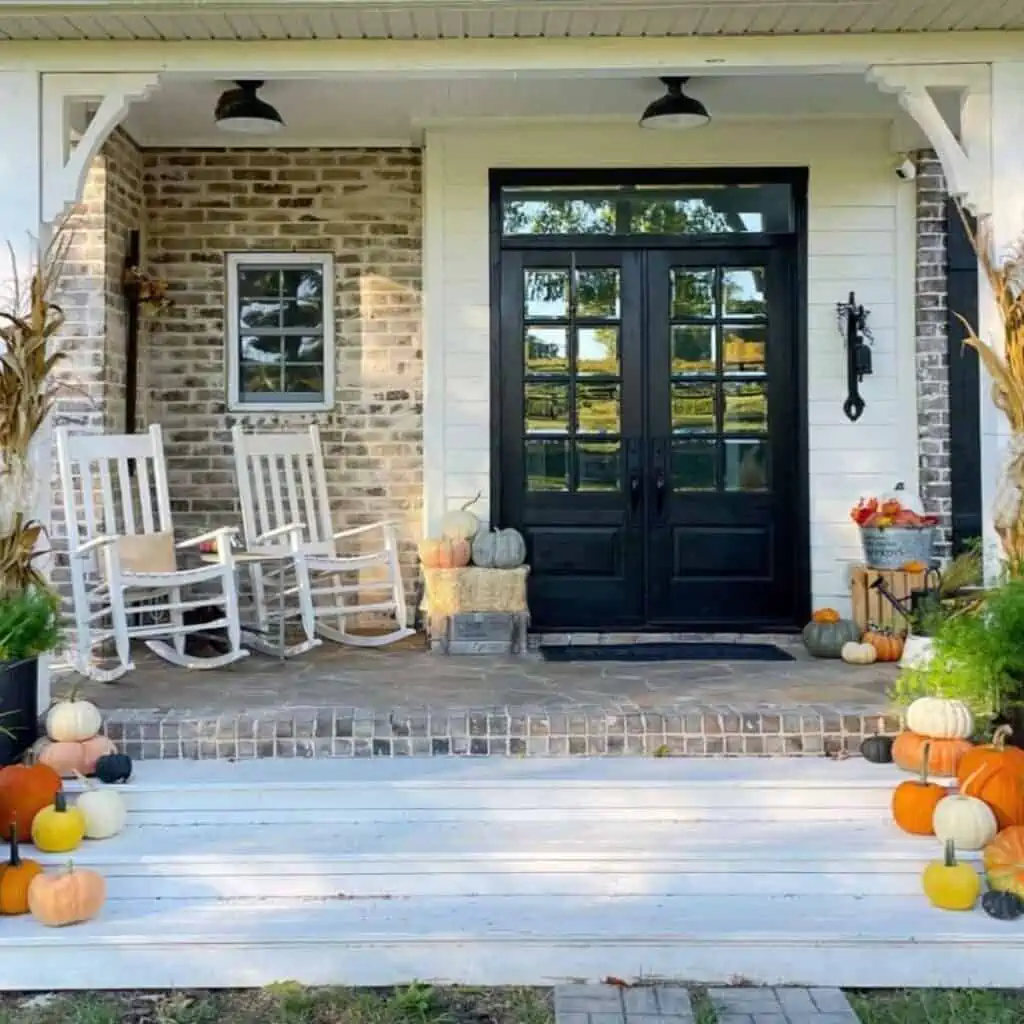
[[28, 393], [1005, 365]]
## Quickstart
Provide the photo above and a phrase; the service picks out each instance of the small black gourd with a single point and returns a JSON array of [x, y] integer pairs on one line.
[[113, 768], [1004, 906], [877, 749]]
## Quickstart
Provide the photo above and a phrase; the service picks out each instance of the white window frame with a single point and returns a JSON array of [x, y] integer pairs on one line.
[[239, 260]]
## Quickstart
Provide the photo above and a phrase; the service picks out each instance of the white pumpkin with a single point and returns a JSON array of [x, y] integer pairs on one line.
[[854, 653], [71, 720], [968, 821], [940, 719], [460, 523], [104, 811]]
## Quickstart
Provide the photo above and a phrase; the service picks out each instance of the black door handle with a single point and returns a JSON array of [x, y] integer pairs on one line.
[[659, 490], [635, 491]]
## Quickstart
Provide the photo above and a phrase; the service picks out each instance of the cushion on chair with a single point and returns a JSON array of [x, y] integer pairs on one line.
[[147, 552]]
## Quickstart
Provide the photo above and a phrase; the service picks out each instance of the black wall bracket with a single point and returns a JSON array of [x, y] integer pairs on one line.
[[853, 325]]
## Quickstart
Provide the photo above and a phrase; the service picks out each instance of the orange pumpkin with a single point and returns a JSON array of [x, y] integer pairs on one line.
[[445, 553], [15, 877], [1004, 861], [825, 615], [888, 646], [914, 801], [914, 567], [1000, 785], [944, 756], [74, 757], [24, 791], [69, 898], [996, 752]]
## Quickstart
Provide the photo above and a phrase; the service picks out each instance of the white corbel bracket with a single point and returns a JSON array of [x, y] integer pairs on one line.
[[64, 168], [966, 161]]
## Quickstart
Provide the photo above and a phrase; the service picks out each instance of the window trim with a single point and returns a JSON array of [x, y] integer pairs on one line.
[[238, 260]]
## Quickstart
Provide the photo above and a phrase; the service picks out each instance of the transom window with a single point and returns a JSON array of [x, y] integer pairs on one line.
[[280, 331], [647, 210]]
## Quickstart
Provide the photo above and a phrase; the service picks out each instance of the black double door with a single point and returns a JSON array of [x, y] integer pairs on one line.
[[649, 435]]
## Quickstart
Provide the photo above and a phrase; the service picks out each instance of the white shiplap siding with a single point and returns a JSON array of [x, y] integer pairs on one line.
[[860, 220]]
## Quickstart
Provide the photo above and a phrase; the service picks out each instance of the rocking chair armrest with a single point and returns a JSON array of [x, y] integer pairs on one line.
[[280, 531], [221, 534], [93, 545], [356, 530]]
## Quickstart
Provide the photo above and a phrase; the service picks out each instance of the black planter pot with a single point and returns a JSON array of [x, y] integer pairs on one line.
[[19, 710]]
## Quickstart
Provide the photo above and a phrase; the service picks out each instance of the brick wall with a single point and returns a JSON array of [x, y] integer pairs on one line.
[[933, 418], [363, 205]]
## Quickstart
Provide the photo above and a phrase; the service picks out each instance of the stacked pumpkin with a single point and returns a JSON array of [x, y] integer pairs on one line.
[[463, 541], [829, 635], [34, 806], [984, 811], [73, 745]]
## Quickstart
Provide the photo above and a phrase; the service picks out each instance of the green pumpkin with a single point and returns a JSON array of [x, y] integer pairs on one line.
[[826, 639], [499, 549]]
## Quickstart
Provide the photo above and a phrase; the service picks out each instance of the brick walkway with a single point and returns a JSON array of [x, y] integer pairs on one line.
[[671, 1004]]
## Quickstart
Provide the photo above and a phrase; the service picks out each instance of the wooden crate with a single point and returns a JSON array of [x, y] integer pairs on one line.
[[870, 607]]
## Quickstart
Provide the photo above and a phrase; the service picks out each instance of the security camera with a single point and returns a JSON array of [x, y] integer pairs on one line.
[[906, 169]]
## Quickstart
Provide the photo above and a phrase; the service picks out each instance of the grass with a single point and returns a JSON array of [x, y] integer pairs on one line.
[[937, 1006], [289, 1004]]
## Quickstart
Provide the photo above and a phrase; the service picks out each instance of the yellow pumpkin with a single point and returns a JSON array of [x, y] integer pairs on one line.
[[58, 828], [949, 885]]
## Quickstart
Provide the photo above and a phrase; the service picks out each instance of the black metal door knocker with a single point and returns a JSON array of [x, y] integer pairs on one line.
[[853, 325]]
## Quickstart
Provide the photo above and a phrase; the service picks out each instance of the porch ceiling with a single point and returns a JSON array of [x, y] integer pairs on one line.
[[483, 19]]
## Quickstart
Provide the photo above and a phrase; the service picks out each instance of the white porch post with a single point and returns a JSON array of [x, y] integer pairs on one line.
[[21, 183], [984, 168]]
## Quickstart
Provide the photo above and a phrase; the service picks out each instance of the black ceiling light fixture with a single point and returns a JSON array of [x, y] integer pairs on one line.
[[675, 109], [241, 110]]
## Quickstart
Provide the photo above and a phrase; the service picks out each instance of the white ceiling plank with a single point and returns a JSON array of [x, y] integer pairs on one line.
[[946, 18], [607, 23], [843, 18], [59, 28], [529, 23], [271, 26], [139, 26], [425, 23], [713, 19], [992, 14], [739, 20], [866, 17], [244, 26], [503, 23], [399, 24], [452, 24], [347, 24], [478, 23], [764, 20], [556, 23], [683, 22], [372, 24], [896, 16], [321, 24]]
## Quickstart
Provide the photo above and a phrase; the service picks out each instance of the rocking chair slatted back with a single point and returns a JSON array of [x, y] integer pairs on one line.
[[281, 480], [100, 492]]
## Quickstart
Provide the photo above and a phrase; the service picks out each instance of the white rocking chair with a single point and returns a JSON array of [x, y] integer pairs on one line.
[[123, 557], [283, 491]]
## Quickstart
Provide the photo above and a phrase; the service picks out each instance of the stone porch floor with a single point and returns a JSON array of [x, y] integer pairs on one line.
[[406, 700]]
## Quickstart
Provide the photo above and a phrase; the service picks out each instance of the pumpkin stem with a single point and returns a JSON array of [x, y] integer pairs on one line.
[[60, 801], [15, 858], [1001, 735], [472, 501], [924, 764], [949, 854]]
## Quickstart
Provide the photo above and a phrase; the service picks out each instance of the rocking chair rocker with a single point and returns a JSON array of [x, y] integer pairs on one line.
[[283, 491], [123, 558]]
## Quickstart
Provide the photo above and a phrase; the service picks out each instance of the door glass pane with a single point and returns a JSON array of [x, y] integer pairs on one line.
[[597, 351], [547, 351], [743, 293], [694, 466], [693, 294], [597, 292], [547, 465], [546, 408], [557, 212], [746, 465], [743, 349], [746, 408], [693, 408], [546, 294], [598, 466], [597, 408], [693, 348]]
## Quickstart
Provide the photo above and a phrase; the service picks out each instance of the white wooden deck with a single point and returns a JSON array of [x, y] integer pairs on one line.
[[496, 871]]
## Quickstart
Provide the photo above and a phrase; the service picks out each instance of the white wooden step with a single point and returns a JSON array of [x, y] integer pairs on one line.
[[498, 871]]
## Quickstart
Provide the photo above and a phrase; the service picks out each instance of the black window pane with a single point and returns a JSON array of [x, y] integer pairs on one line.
[[255, 316], [302, 314], [260, 381], [262, 348], [598, 466], [694, 466], [305, 379], [746, 465], [259, 283], [547, 465], [303, 284]]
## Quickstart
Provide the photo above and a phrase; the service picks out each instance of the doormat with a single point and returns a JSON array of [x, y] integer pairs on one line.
[[666, 652]]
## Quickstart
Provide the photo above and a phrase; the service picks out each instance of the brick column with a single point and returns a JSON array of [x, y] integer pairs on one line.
[[931, 345]]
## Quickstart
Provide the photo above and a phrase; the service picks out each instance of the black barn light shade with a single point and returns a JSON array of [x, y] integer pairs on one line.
[[241, 110], [675, 110]]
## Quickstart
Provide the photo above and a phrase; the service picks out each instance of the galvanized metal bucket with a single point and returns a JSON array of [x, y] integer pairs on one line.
[[894, 546]]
